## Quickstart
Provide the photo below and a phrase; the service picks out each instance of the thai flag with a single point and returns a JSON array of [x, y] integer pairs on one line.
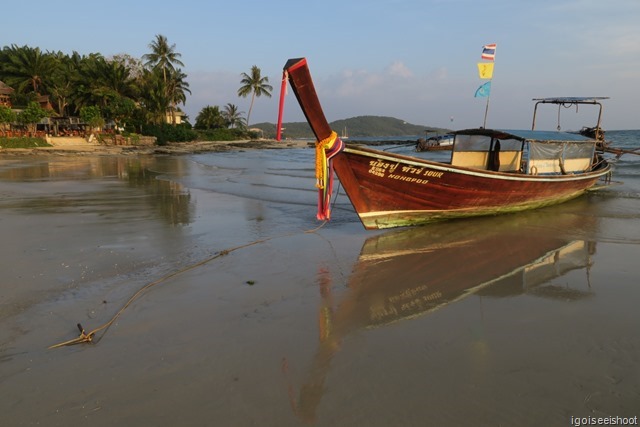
[[489, 51]]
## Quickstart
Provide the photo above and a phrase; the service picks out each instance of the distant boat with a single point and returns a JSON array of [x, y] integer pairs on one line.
[[490, 171], [344, 134], [435, 143]]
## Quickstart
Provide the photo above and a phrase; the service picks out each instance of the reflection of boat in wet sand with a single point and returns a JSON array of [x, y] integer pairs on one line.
[[412, 272]]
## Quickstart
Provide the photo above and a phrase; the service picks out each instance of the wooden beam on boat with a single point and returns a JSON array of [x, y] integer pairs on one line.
[[619, 151]]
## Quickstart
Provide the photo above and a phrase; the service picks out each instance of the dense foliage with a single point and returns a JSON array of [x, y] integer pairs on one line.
[[7, 116], [31, 115], [165, 132], [133, 95], [226, 134], [125, 90]]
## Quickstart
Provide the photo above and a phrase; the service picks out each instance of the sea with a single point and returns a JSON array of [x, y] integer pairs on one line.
[[218, 298]]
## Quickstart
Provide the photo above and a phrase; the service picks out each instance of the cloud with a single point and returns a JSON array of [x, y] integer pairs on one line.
[[398, 69]]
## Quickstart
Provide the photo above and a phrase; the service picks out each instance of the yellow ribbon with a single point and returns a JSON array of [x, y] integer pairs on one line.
[[321, 158]]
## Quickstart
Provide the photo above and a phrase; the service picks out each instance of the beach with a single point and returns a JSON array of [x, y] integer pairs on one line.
[[256, 314]]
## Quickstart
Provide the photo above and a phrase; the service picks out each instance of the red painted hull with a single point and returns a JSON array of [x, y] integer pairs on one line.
[[389, 190]]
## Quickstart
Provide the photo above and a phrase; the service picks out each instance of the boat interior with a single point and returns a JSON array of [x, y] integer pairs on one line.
[[526, 152]]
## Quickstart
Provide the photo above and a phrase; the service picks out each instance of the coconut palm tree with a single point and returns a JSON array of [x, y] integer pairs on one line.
[[26, 69], [100, 81], [177, 88], [61, 81], [162, 56], [255, 85], [153, 99], [232, 116], [209, 118]]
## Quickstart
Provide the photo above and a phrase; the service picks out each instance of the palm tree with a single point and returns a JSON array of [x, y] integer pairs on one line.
[[255, 85], [209, 118], [232, 116], [26, 69], [154, 101], [61, 81], [162, 56], [177, 87], [100, 81]]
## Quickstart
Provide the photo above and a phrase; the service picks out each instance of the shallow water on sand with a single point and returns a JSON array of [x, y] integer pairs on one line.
[[524, 319]]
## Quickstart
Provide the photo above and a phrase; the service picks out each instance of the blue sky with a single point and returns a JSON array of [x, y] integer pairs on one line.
[[410, 59]]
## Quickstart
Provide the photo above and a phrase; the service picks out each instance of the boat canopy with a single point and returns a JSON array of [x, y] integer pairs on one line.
[[527, 135], [571, 100], [529, 151]]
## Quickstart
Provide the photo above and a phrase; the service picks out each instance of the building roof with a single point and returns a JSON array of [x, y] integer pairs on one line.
[[4, 89]]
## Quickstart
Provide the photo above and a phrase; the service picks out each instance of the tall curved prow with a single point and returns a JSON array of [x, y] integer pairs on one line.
[[296, 71], [328, 143]]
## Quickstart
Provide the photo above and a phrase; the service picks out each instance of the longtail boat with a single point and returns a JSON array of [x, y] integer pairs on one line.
[[491, 171]]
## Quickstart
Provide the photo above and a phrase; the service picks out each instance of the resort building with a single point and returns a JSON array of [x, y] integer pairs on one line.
[[5, 94]]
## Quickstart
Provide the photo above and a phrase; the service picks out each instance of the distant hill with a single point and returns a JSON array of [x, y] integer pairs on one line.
[[361, 126]]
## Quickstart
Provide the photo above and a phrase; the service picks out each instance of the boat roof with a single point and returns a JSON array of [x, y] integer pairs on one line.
[[527, 135], [571, 100]]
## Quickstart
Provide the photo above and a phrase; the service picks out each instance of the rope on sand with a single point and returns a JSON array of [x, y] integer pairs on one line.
[[85, 337]]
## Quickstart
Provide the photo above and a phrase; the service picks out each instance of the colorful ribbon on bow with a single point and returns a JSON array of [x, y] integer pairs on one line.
[[325, 151]]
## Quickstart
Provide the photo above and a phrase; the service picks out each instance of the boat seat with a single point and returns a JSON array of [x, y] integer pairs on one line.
[[509, 160]]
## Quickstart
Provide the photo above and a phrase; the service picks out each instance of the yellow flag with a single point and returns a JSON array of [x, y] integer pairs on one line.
[[485, 70]]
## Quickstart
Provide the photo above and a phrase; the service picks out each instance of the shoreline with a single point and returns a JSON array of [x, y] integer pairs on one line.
[[177, 148]]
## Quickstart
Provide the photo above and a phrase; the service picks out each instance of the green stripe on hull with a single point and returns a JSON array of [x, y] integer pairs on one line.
[[391, 219]]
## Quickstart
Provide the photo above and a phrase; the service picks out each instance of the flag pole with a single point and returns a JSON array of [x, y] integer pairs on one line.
[[486, 111], [488, 53]]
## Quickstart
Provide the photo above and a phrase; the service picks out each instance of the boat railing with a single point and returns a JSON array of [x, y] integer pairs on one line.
[[568, 102]]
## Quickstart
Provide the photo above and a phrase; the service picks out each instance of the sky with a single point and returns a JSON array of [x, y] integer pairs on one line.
[[410, 59]]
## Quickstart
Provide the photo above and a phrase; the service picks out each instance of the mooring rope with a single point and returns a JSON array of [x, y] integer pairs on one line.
[[85, 337]]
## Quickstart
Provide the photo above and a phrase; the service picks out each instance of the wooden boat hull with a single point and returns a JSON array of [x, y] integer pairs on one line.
[[390, 190]]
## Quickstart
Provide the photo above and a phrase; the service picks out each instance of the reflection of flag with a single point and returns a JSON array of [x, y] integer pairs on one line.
[[489, 51], [485, 70], [484, 90]]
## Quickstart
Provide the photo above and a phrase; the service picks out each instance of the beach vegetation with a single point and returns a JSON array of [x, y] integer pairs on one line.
[[164, 58], [124, 93], [233, 116], [23, 142], [92, 116], [31, 115], [226, 134], [7, 116], [255, 85], [26, 69], [165, 132], [210, 118]]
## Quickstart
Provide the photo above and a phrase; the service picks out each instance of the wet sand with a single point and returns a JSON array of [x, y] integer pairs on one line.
[[526, 320]]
